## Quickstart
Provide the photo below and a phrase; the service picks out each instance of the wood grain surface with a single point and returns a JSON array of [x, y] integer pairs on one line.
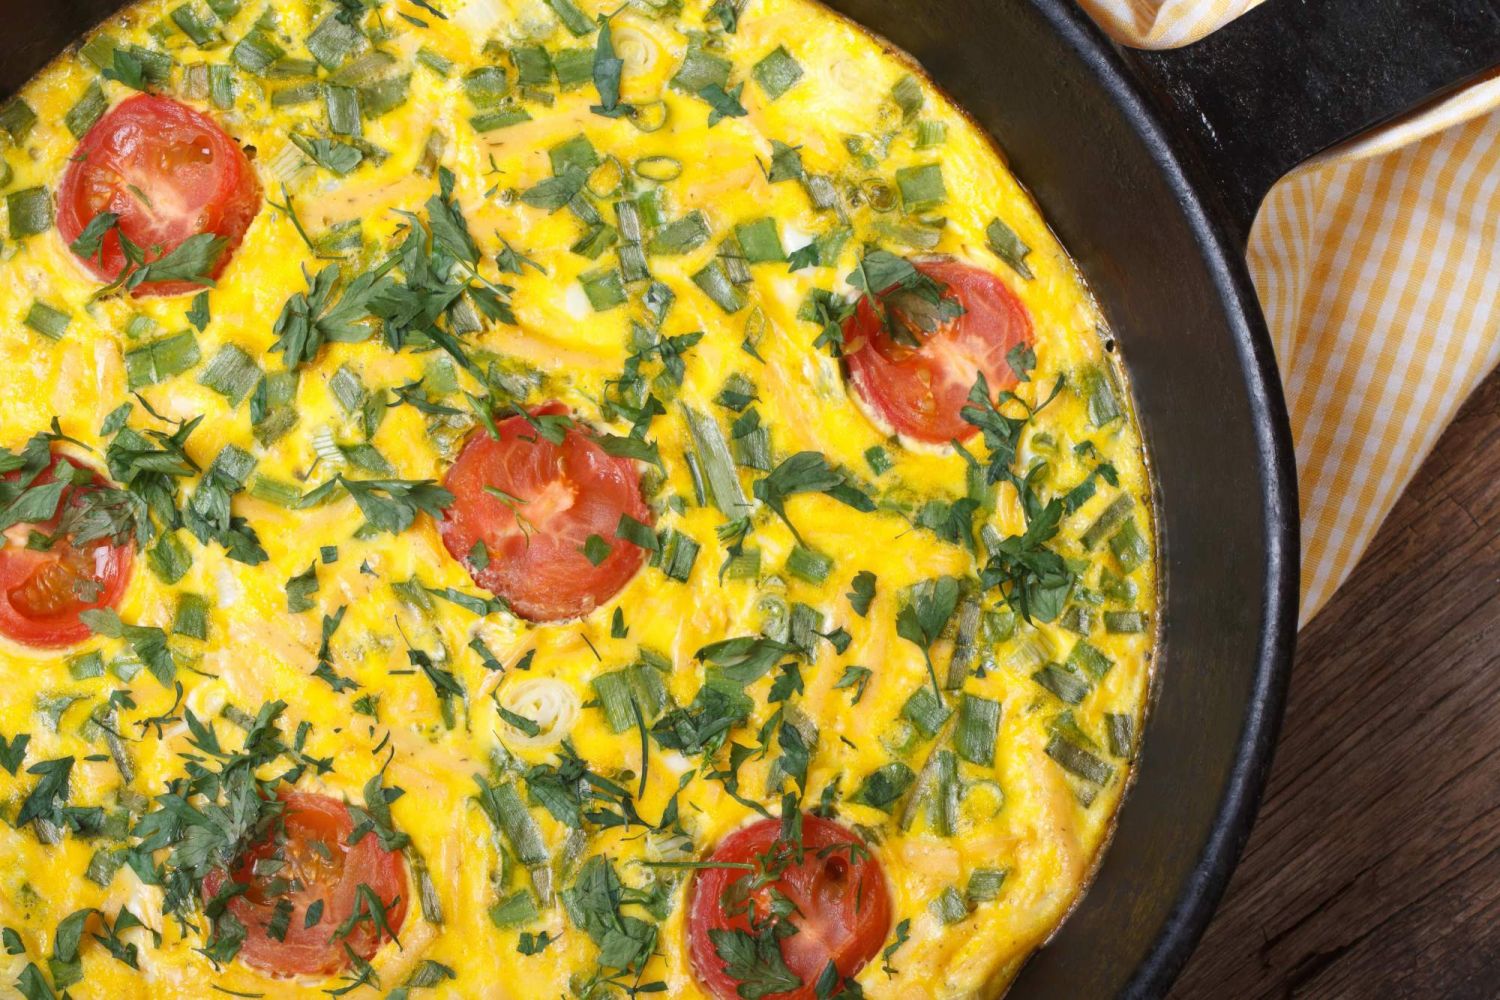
[[1374, 869]]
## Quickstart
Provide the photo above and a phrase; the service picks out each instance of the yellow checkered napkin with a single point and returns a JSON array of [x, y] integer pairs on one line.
[[1378, 266]]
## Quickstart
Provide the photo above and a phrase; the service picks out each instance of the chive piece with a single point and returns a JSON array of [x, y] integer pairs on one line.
[[1078, 761], [1103, 407], [745, 566], [879, 460], [931, 134], [616, 700], [348, 389], [1117, 587], [99, 50], [30, 212], [18, 119], [1077, 618], [486, 86], [884, 786], [224, 10], [925, 710], [533, 65], [921, 187], [441, 65], [752, 445], [102, 868], [169, 558], [192, 24], [191, 618], [658, 168], [701, 69], [256, 52], [737, 393], [652, 208], [232, 373], [493, 121], [1090, 659], [978, 727], [1006, 244], [677, 554], [221, 86], [300, 93], [574, 67], [1121, 729], [806, 564], [46, 320], [516, 910], [1128, 546], [288, 68], [90, 107], [985, 884], [1108, 520], [509, 813], [632, 260], [776, 72], [949, 907], [1063, 681], [343, 110], [333, 41], [159, 360], [86, 666], [759, 241], [907, 95], [724, 487], [1124, 622], [604, 288], [572, 18], [682, 236], [714, 282]]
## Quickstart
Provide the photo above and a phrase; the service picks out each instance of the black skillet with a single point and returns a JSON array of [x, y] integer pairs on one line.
[[1150, 167]]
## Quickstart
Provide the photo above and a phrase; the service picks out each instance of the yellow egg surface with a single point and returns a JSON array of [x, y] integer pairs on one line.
[[470, 210]]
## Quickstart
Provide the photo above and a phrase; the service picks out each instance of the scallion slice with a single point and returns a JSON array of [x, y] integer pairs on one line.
[[191, 618], [677, 554], [232, 373], [681, 236], [724, 487], [921, 186], [1121, 729], [1124, 622], [161, 359], [714, 281], [658, 168], [29, 211], [50, 322], [777, 72], [949, 907], [925, 710], [1079, 761], [1063, 681], [883, 787], [760, 242], [985, 884], [90, 107], [605, 289], [978, 728], [807, 564], [343, 110], [1108, 520]]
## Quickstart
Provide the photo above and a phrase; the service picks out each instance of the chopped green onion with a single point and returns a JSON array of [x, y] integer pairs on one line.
[[516, 910], [751, 442], [348, 389], [1128, 546], [486, 86], [604, 288], [1078, 761], [256, 52], [343, 110], [46, 320], [985, 884], [30, 212], [275, 491], [921, 187], [883, 787], [931, 134], [1063, 681], [745, 566], [576, 153], [159, 360], [572, 18], [288, 68], [1124, 622], [193, 25], [658, 168], [682, 236], [1090, 659], [574, 67], [714, 282], [724, 487], [701, 69], [334, 41], [759, 241], [510, 815], [492, 121], [1103, 407], [777, 72], [907, 95], [1121, 729], [1077, 618], [1117, 587], [949, 907], [616, 699], [191, 618], [1005, 244], [806, 564], [90, 107], [440, 65], [232, 373], [17, 118], [925, 710], [978, 727], [169, 558], [297, 93], [879, 459], [677, 554], [632, 260], [650, 117], [221, 86], [533, 65], [86, 666], [637, 533], [1107, 521]]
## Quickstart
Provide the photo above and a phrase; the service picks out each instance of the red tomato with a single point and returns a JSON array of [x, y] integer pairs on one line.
[[551, 498], [318, 864], [843, 905], [169, 173], [42, 592], [919, 392]]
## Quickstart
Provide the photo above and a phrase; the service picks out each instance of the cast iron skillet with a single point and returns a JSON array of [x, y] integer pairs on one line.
[[1150, 167]]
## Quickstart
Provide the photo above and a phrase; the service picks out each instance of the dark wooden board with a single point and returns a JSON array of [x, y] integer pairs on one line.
[[1374, 869]]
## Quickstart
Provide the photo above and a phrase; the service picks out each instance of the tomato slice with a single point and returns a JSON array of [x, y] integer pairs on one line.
[[843, 906], [169, 172], [317, 863], [919, 392], [42, 592], [534, 505]]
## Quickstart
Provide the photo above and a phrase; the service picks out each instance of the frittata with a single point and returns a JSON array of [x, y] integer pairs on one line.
[[507, 498]]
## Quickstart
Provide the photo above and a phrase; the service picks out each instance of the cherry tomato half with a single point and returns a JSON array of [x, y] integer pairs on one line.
[[920, 391], [843, 907], [311, 841], [168, 172], [534, 504], [42, 591]]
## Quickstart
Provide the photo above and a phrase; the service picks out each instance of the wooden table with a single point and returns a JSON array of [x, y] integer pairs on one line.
[[1374, 869]]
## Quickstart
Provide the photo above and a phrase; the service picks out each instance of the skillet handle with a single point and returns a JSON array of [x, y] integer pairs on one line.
[[1292, 78]]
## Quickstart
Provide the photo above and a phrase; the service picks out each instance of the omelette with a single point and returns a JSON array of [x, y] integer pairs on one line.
[[512, 499]]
